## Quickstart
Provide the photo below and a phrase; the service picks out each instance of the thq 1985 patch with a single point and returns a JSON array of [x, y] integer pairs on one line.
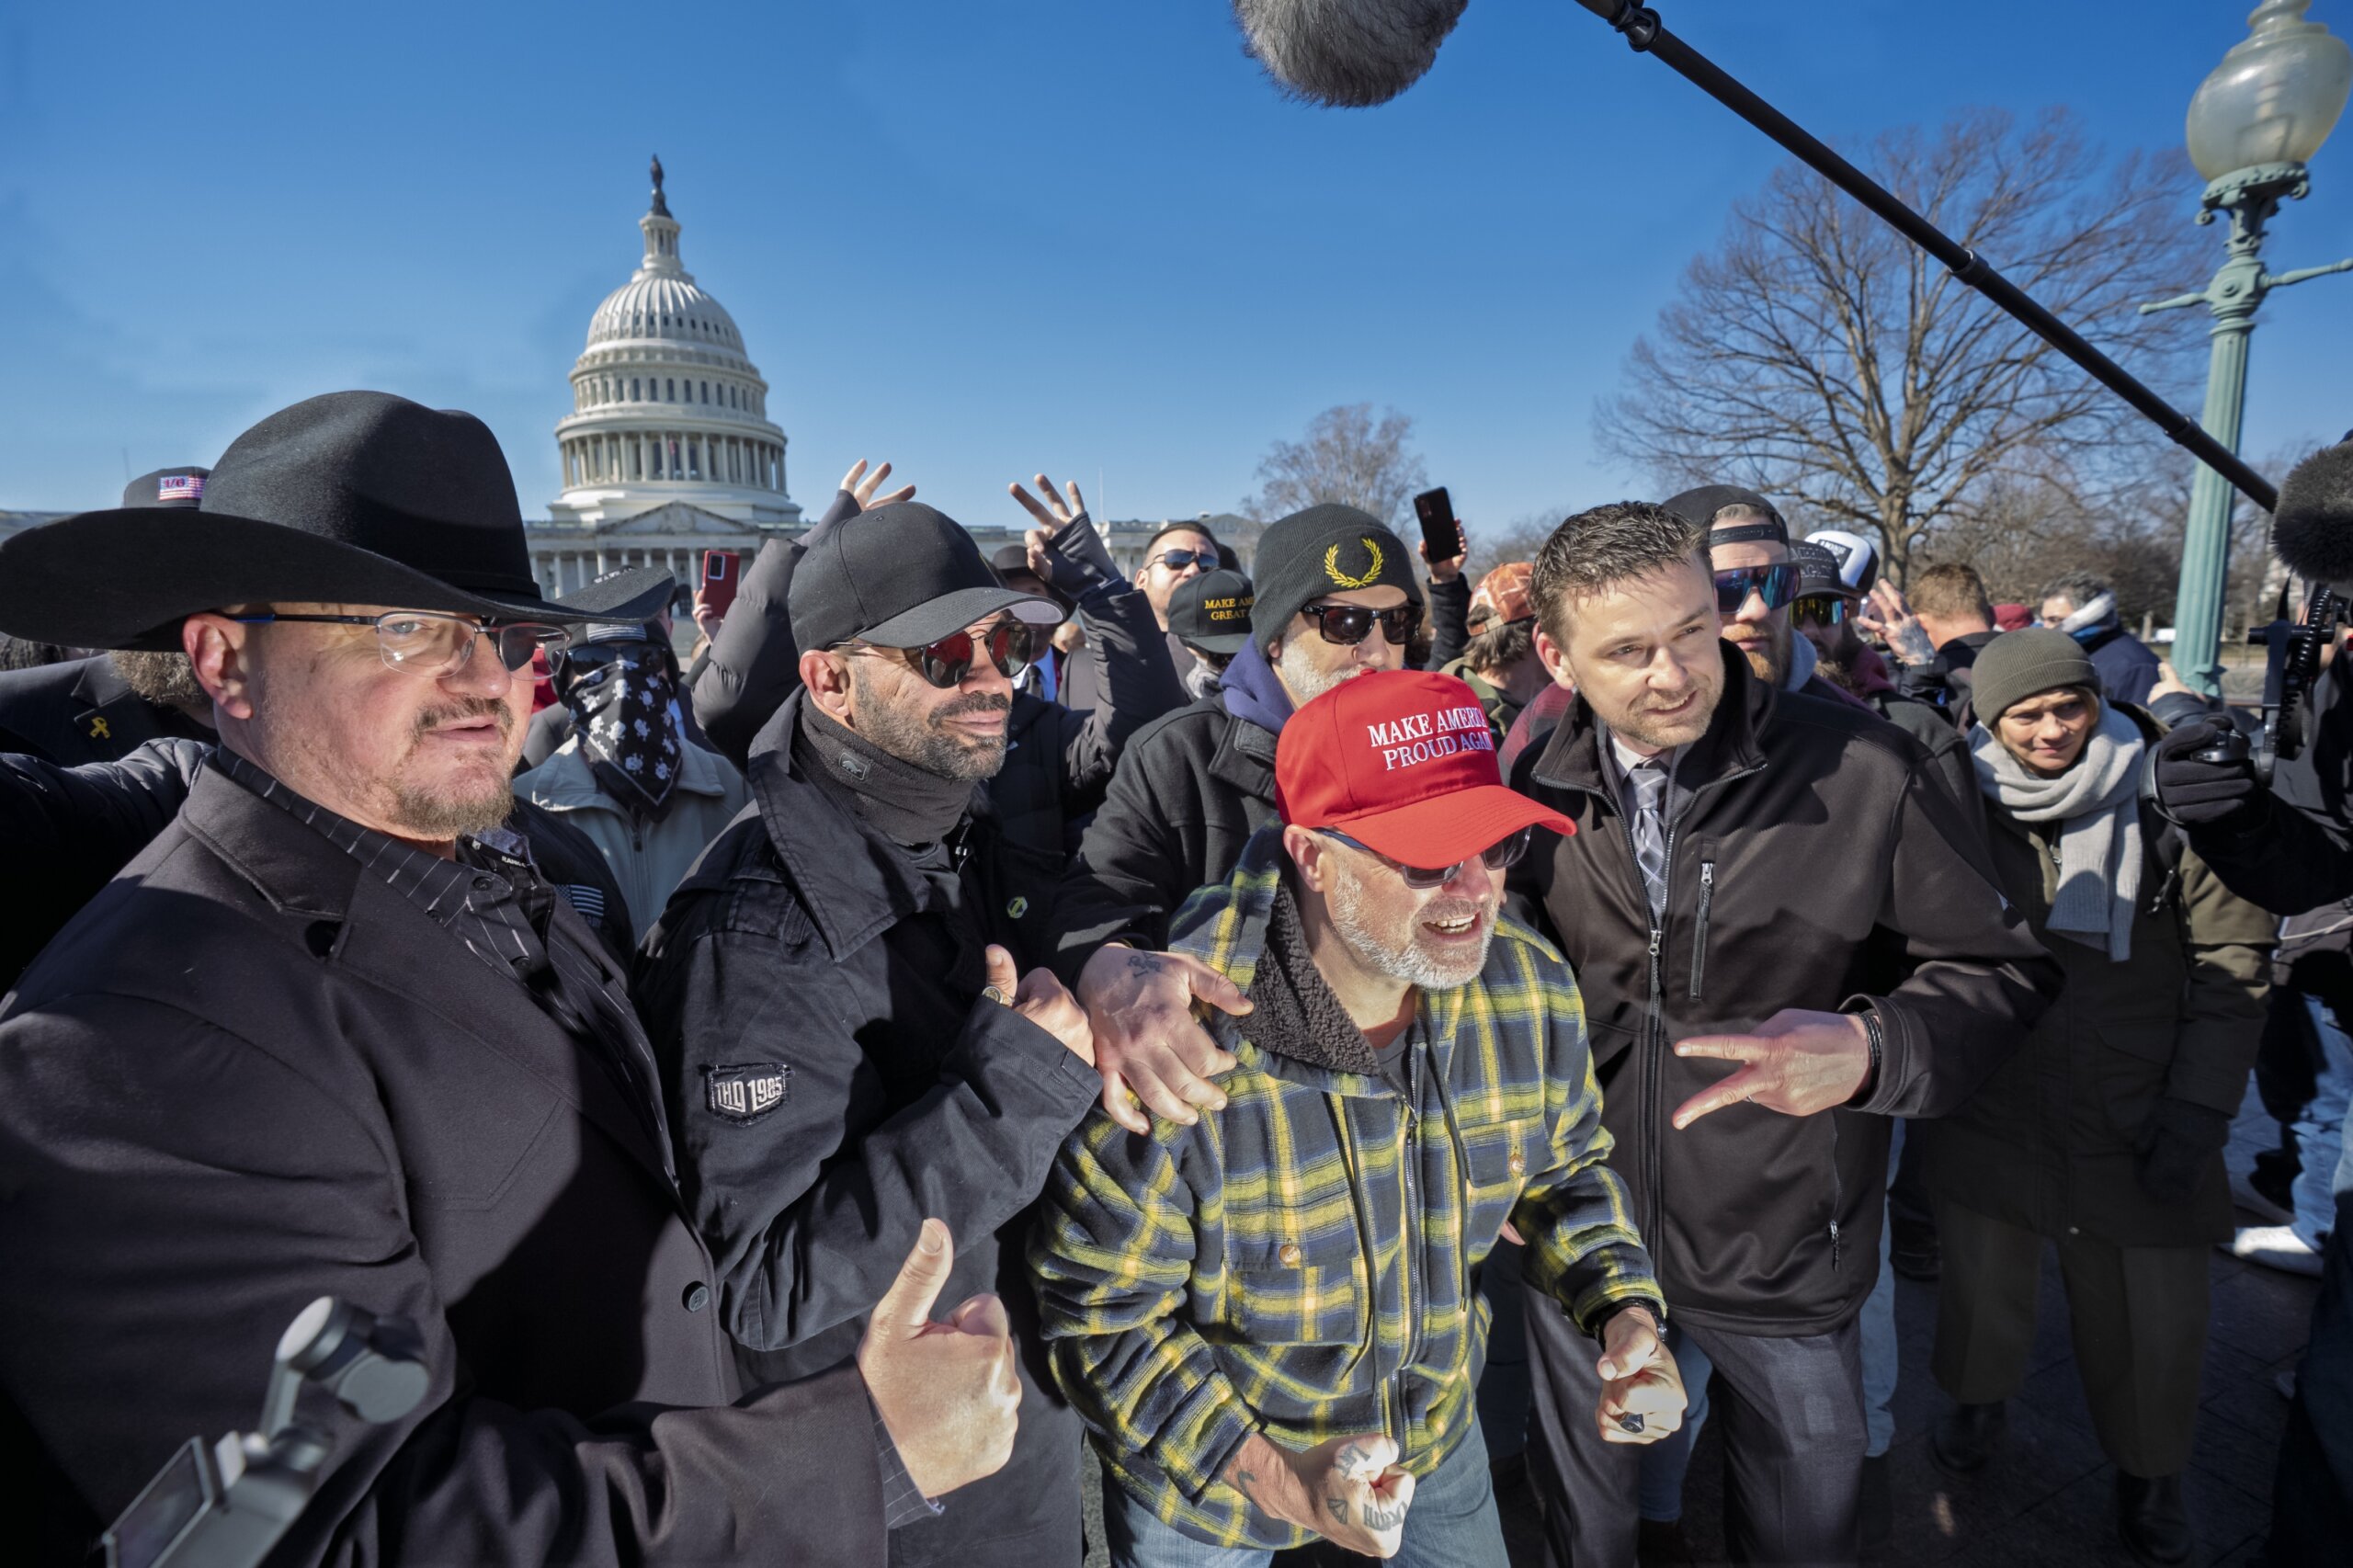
[[744, 1093]]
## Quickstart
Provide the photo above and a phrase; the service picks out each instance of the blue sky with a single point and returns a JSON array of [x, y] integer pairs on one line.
[[975, 239]]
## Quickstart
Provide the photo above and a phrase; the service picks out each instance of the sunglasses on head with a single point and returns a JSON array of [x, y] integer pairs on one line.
[[1818, 609], [1178, 560], [947, 662], [1504, 852], [1776, 584], [1349, 625]]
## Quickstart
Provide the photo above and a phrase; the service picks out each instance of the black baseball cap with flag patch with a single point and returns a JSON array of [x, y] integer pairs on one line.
[[167, 487]]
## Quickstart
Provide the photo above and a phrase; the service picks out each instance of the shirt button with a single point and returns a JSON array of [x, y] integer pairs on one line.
[[697, 1297], [1292, 1255], [2073, 1231], [481, 884], [1518, 1163]]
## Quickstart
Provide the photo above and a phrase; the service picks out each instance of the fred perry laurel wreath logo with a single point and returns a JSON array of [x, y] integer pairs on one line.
[[744, 1093], [1371, 574]]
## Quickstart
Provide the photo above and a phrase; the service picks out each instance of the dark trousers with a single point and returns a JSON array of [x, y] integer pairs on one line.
[[2312, 1499], [2137, 1316], [1792, 1414]]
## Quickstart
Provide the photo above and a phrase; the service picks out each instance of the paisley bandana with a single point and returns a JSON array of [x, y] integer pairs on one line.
[[623, 696]]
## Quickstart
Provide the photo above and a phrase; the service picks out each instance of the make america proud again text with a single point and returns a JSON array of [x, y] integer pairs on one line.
[[1419, 737]]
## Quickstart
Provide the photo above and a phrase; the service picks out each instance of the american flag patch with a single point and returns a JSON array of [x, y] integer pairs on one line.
[[180, 487]]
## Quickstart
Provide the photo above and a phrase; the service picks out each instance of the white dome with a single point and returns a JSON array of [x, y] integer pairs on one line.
[[665, 404]]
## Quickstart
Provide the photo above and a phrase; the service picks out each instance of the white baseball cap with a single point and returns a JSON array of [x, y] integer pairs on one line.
[[1858, 557]]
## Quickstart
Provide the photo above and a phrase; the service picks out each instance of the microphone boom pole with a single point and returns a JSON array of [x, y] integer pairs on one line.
[[1642, 29]]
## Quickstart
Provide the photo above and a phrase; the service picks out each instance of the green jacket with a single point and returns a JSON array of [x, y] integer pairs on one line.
[[2049, 1143], [1256, 1272]]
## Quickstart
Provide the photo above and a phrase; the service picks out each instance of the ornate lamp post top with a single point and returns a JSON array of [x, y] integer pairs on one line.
[[2275, 97]]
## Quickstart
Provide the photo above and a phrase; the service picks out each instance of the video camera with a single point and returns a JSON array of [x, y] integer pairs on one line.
[[2289, 673], [226, 1506]]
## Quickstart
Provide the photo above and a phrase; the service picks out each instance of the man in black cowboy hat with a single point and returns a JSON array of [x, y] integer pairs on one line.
[[107, 706], [332, 1033]]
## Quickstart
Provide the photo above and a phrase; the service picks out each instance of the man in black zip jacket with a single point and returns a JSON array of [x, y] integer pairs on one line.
[[1775, 881], [834, 1010]]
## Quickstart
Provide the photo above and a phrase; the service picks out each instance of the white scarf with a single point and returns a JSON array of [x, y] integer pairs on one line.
[[2098, 805]]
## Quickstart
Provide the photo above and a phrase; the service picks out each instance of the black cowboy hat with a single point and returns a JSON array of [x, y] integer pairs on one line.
[[356, 497]]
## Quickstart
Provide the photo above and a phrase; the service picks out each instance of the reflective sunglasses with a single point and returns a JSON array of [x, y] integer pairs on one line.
[[1776, 584], [1818, 609], [1178, 560], [947, 662], [1349, 625], [1502, 853], [425, 643]]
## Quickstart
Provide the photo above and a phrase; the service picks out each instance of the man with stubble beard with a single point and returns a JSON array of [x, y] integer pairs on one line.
[[836, 1009], [1764, 880]]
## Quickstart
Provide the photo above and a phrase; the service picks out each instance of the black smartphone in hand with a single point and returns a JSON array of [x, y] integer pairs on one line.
[[1441, 535]]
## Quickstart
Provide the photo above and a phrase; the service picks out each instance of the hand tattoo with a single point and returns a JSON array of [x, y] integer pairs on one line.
[[1373, 1517], [1141, 964], [1353, 1460], [1339, 1509]]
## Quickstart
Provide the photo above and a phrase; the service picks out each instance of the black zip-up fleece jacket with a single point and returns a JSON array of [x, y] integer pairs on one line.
[[1817, 864]]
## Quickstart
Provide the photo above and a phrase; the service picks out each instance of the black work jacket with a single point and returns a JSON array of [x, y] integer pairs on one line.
[[250, 1073], [808, 952], [81, 711], [1193, 788], [1818, 864]]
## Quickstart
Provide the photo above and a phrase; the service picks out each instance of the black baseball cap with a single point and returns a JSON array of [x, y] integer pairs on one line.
[[900, 576], [1211, 612], [1818, 570]]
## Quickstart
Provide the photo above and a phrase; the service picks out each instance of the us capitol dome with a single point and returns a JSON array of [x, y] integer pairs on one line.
[[668, 449]]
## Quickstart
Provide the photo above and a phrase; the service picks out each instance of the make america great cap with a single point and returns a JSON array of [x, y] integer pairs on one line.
[[1402, 761]]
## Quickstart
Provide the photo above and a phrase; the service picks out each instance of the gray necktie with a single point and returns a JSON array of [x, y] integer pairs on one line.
[[1650, 833]]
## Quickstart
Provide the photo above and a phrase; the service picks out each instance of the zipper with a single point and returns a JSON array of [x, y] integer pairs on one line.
[[1652, 1041], [1837, 1192], [1700, 937]]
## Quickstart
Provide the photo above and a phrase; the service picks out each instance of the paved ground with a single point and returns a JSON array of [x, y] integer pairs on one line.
[[2048, 1501]]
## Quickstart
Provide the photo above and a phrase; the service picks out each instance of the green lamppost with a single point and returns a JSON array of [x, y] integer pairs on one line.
[[2253, 125]]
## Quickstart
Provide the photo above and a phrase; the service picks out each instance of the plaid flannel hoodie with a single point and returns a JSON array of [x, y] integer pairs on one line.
[[1257, 1271]]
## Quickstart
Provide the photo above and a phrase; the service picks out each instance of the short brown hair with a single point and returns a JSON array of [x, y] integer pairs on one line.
[[1597, 549], [1951, 592], [1499, 647]]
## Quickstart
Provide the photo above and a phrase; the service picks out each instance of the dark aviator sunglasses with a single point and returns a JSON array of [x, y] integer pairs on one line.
[[947, 662], [1503, 853]]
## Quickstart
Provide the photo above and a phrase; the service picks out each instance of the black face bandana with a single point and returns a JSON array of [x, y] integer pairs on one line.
[[622, 696]]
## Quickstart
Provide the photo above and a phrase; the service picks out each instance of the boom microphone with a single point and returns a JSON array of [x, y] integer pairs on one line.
[[1347, 53], [2312, 526]]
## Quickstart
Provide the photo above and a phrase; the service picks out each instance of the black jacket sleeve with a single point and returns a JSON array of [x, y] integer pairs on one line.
[[69, 830], [1975, 977], [2299, 854], [220, 1228], [1135, 684], [806, 1230], [1449, 618], [753, 664]]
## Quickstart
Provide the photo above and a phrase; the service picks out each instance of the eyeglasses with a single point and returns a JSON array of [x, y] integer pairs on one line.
[[423, 643], [947, 662], [1776, 584], [1349, 625], [1502, 853], [1178, 560], [1818, 609]]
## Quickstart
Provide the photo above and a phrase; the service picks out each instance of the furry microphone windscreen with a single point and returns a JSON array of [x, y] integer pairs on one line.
[[1348, 53], [2312, 526]]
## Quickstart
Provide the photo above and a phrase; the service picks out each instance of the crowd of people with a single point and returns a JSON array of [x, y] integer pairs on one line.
[[1332, 1038]]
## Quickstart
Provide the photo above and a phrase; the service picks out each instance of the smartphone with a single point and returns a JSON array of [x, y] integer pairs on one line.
[[1441, 535], [721, 569]]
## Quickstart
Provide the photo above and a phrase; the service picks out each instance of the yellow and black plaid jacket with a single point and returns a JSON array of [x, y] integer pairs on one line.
[[1304, 1262]]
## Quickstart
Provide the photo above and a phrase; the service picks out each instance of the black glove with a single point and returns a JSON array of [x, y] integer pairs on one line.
[[2178, 1142], [2196, 793], [1077, 561]]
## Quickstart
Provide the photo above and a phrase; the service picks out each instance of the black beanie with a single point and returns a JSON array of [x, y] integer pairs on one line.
[[1325, 550]]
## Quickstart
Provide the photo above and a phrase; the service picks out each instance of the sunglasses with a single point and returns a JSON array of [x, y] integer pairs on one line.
[[1504, 852], [1178, 560], [1776, 584], [1818, 609], [421, 642], [1349, 625], [947, 662]]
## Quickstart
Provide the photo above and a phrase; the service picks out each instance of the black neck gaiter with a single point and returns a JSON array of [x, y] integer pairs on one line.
[[905, 803]]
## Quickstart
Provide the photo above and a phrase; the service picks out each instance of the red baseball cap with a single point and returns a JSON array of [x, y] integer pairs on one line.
[[1402, 762]]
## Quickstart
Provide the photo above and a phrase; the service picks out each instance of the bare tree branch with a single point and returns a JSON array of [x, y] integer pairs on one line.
[[1348, 457]]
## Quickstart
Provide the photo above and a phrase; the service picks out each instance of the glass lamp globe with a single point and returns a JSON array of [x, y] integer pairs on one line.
[[2276, 95]]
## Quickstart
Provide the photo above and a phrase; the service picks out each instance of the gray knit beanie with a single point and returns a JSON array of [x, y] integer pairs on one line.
[[2017, 665]]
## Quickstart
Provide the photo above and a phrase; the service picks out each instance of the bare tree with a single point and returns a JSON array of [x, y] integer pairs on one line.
[[1818, 356], [1348, 457]]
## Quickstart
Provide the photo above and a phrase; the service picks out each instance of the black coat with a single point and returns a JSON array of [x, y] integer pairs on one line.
[[1190, 793], [249, 1074], [1816, 865], [83, 711], [808, 944], [2298, 853]]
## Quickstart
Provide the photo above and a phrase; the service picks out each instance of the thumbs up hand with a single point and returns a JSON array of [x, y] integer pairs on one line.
[[949, 1393]]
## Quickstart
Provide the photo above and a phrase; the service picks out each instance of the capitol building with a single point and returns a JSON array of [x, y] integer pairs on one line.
[[669, 450]]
